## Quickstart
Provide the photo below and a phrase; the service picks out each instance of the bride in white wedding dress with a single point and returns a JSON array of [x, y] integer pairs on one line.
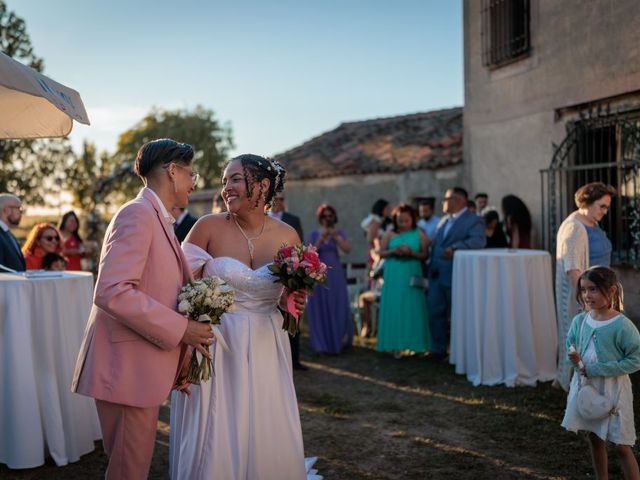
[[242, 424]]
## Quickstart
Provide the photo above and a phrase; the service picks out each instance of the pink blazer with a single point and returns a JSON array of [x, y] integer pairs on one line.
[[132, 343]]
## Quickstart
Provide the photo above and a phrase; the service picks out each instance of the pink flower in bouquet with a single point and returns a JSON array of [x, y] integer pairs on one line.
[[311, 260], [297, 267]]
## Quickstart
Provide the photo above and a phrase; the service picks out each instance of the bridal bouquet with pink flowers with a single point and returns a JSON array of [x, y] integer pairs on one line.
[[205, 300], [297, 267]]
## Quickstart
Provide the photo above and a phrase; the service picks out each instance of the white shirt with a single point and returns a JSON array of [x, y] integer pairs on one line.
[[4, 226], [167, 216], [182, 216], [277, 215]]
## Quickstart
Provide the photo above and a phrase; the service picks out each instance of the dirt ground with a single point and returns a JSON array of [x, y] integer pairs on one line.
[[368, 416]]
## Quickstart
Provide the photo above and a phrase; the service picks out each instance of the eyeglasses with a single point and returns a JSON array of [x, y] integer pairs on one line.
[[195, 176], [279, 199], [20, 209], [51, 238]]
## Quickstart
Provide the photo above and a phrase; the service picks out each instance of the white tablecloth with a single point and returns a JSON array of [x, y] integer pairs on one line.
[[503, 319], [41, 326]]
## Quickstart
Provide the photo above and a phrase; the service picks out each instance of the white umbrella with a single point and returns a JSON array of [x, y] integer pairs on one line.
[[34, 106]]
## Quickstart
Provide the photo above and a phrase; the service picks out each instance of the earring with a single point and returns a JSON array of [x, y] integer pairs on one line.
[[228, 216]]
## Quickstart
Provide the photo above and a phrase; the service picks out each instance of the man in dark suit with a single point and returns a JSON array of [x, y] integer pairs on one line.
[[458, 230], [184, 222], [278, 211], [10, 216]]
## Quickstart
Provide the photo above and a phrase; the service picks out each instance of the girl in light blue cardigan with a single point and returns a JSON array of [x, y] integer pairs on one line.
[[608, 344]]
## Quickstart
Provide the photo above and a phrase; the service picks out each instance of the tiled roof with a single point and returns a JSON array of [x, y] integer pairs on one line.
[[419, 141]]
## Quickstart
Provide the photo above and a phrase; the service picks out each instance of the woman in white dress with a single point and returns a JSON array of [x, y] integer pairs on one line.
[[244, 423]]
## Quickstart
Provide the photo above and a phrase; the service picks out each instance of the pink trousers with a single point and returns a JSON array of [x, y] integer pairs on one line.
[[128, 436]]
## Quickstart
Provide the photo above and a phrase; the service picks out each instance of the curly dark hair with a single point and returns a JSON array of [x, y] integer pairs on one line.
[[256, 169]]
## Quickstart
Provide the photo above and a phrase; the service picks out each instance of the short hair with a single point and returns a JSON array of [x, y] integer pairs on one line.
[[404, 208], [461, 191], [50, 258], [323, 207], [6, 198], [481, 195], [591, 192], [471, 204], [159, 153], [429, 201]]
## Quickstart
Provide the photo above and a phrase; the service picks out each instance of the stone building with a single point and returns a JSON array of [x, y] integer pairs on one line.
[[397, 158], [552, 101]]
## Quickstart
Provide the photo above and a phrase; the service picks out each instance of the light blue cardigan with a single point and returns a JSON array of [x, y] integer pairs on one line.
[[617, 346]]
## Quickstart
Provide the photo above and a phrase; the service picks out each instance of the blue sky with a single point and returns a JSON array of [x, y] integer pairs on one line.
[[280, 71]]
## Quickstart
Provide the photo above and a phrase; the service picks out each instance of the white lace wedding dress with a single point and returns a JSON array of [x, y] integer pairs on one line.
[[243, 424]]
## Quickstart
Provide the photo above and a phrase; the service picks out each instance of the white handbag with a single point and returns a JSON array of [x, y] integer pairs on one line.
[[591, 404]]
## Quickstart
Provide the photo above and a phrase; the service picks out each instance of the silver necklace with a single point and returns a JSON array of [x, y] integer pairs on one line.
[[249, 240]]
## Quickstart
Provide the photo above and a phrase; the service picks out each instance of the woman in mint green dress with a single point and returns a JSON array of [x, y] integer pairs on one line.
[[403, 320]]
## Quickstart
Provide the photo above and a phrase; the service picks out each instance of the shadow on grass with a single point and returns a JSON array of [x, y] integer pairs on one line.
[[432, 423]]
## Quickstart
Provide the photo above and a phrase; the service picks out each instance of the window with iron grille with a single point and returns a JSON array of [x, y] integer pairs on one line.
[[598, 149], [505, 31]]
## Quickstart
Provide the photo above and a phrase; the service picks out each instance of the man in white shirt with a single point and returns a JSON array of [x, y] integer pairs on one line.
[[428, 222], [482, 200]]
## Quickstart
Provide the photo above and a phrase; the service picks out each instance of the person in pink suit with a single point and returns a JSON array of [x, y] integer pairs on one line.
[[135, 340]]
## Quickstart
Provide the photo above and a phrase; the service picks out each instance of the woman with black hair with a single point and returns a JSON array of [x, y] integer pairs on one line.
[[517, 221], [244, 422], [72, 246]]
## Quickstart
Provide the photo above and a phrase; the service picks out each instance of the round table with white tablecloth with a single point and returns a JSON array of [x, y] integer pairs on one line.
[[503, 320], [42, 320]]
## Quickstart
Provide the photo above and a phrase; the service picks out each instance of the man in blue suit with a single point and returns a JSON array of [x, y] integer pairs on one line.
[[458, 230], [10, 215]]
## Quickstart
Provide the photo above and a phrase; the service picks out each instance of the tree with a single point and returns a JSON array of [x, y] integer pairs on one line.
[[30, 169], [85, 177], [210, 139]]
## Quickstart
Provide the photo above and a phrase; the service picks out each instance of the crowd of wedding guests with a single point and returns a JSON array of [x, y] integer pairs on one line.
[[48, 246], [409, 262]]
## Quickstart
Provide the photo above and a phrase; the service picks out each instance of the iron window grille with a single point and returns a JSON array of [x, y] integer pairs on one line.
[[505, 31], [604, 148]]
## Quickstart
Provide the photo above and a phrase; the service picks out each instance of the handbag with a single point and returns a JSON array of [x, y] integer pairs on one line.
[[590, 403]]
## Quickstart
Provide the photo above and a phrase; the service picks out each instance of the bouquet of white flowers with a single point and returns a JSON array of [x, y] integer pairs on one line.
[[205, 300]]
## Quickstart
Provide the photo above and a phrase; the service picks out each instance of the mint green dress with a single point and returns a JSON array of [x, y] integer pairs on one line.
[[403, 320]]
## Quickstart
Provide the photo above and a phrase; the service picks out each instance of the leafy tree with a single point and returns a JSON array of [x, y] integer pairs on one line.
[[210, 139], [85, 177], [31, 169]]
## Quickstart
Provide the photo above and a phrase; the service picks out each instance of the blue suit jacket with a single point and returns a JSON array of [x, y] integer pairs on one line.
[[467, 233], [9, 255]]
